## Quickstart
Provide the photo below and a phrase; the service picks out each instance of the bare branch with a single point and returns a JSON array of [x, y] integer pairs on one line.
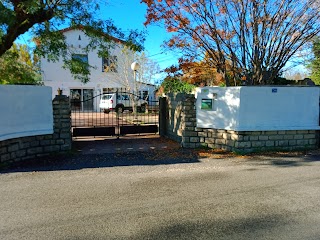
[[240, 36]]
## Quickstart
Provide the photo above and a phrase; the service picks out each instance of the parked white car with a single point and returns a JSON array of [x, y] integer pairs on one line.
[[112, 102]]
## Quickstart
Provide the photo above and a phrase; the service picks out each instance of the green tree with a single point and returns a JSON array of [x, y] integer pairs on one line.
[[18, 66], [175, 85], [44, 18], [315, 62]]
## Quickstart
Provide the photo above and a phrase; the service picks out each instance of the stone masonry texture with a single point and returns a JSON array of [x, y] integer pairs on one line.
[[181, 127], [20, 149]]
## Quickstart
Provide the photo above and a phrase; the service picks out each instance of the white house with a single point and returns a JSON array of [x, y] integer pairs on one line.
[[101, 81]]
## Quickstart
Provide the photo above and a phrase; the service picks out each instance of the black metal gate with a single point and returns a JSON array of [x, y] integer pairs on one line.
[[114, 113]]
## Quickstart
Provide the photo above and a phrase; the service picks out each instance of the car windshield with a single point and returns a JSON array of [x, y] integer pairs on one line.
[[106, 97]]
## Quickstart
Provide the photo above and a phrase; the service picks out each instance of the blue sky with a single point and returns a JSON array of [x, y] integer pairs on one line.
[[130, 14]]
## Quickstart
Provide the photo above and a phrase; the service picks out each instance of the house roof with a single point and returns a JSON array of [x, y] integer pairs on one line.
[[149, 84], [81, 27]]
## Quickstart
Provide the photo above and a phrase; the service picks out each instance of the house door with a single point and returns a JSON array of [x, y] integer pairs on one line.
[[75, 99], [81, 99], [87, 99]]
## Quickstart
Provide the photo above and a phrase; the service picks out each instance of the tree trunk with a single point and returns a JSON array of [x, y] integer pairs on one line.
[[21, 24]]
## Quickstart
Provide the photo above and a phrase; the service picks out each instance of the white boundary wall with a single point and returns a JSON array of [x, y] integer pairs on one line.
[[25, 111], [258, 108]]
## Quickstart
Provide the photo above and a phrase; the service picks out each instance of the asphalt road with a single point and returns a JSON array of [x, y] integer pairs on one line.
[[162, 195]]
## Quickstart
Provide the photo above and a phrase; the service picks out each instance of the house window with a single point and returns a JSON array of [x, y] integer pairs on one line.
[[145, 95], [109, 90], [81, 61], [109, 64], [81, 57]]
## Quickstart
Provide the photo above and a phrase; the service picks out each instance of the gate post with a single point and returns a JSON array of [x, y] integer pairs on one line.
[[62, 122], [162, 116]]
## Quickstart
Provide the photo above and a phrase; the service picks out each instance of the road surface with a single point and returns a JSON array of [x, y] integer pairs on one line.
[[162, 195]]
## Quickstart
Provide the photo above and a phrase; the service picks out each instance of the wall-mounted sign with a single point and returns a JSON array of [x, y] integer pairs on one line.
[[206, 104]]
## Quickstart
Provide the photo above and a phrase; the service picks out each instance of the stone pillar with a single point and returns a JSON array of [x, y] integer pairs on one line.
[[190, 137], [62, 122], [181, 119]]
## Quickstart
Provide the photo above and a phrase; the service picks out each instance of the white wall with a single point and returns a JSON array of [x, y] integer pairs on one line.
[[279, 108], [261, 108], [25, 111], [225, 111]]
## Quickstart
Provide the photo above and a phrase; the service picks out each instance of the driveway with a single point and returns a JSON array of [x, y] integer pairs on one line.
[[162, 194], [125, 144]]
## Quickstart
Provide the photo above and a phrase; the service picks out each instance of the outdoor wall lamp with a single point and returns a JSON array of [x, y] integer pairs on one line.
[[135, 66]]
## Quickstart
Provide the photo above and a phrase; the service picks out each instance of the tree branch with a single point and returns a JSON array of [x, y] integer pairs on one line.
[[22, 24]]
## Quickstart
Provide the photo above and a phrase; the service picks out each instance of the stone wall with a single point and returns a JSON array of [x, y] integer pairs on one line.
[[256, 141], [19, 149], [179, 113], [181, 127]]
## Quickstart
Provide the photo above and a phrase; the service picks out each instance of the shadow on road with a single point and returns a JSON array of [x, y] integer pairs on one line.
[[149, 150], [111, 152], [246, 228], [283, 159], [82, 161]]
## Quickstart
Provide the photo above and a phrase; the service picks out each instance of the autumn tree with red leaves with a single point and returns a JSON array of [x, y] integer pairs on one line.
[[201, 73], [255, 37]]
